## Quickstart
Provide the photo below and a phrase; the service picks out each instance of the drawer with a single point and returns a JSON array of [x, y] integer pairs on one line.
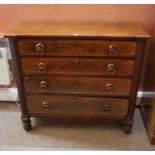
[[77, 66], [72, 47], [77, 105], [78, 85]]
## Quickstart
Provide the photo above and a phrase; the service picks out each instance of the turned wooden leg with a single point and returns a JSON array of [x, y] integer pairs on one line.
[[26, 122], [127, 125]]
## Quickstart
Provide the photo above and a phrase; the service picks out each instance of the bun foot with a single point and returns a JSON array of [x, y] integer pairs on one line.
[[27, 127], [26, 122], [127, 126]]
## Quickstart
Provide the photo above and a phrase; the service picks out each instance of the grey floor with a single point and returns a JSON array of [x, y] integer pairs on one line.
[[48, 136]]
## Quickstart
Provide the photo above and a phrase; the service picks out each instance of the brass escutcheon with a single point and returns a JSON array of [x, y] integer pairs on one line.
[[43, 85], [42, 67], [109, 86], [40, 48], [45, 105], [111, 68], [113, 49], [106, 107]]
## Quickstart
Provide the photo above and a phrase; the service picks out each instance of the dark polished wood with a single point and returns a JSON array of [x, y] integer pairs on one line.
[[78, 66], [77, 85], [78, 70], [76, 47], [78, 106]]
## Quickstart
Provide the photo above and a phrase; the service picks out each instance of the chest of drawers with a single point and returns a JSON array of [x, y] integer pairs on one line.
[[77, 70]]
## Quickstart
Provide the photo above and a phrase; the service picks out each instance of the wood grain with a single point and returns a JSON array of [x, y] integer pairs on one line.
[[83, 86], [76, 47], [77, 105], [73, 29], [77, 66], [82, 49]]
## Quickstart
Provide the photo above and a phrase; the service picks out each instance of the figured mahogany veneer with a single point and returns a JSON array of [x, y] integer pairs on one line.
[[78, 106], [77, 85], [85, 70], [77, 66], [68, 47]]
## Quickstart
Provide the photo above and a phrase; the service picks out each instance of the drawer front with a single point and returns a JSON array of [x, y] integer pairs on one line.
[[77, 66], [66, 85], [64, 47], [77, 105]]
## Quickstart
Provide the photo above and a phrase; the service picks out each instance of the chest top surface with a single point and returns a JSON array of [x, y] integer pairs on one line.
[[75, 29]]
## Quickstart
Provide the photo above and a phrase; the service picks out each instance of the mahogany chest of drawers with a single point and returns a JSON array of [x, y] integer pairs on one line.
[[77, 70]]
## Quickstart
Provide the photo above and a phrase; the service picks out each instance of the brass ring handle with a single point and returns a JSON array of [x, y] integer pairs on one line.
[[42, 67], [45, 105], [106, 107], [111, 68], [40, 48], [109, 86], [112, 49], [43, 85]]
